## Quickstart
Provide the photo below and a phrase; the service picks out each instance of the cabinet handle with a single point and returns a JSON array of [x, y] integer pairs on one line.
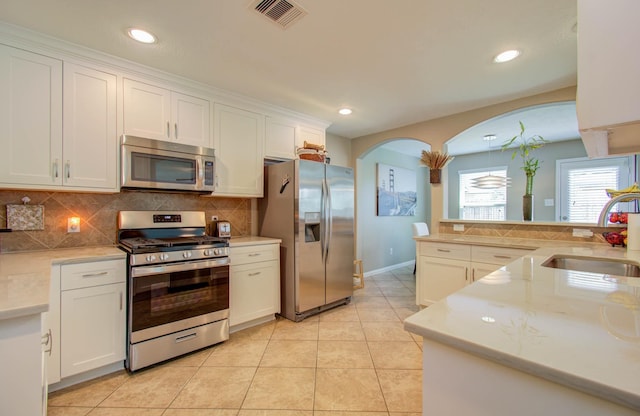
[[168, 133], [254, 254], [67, 167], [47, 339], [254, 274], [55, 169], [120, 300], [442, 250], [175, 128], [466, 274], [498, 256], [95, 274]]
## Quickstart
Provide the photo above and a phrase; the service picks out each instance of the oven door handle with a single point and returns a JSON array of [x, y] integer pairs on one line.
[[138, 271]]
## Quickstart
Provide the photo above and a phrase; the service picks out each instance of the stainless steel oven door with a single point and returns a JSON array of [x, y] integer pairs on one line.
[[167, 298]]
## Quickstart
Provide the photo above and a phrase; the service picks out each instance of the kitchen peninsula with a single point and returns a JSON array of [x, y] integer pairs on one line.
[[530, 340]]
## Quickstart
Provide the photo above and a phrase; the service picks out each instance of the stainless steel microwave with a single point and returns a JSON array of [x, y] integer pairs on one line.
[[158, 165]]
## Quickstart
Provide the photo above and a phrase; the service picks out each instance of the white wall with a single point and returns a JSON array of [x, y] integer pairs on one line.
[[339, 150], [376, 235]]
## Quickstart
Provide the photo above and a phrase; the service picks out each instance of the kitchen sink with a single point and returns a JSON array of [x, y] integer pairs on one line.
[[594, 265]]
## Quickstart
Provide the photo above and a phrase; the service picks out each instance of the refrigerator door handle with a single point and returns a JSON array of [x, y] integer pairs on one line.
[[323, 221], [328, 221]]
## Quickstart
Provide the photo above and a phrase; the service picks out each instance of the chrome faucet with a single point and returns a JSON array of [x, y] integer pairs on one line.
[[603, 219]]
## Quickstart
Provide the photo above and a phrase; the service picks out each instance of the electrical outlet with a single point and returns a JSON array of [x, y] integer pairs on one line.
[[458, 227], [73, 225], [579, 232], [214, 218]]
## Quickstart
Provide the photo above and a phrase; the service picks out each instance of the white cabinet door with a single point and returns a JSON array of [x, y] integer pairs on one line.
[[190, 120], [440, 277], [480, 270], [51, 329], [254, 291], [239, 143], [158, 113], [608, 92], [93, 325], [310, 135], [90, 138], [30, 118], [147, 110], [280, 139]]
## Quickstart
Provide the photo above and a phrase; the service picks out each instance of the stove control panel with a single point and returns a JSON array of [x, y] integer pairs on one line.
[[178, 256]]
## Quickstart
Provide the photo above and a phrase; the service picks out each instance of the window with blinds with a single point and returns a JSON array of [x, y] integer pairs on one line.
[[583, 183], [482, 204]]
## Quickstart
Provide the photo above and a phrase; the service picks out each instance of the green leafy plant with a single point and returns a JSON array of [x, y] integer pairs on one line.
[[530, 163]]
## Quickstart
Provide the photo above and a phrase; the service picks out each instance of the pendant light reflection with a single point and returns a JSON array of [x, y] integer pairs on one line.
[[490, 181]]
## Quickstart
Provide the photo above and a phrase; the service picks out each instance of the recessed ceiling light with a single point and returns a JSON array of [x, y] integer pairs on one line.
[[141, 35], [345, 111], [506, 56]]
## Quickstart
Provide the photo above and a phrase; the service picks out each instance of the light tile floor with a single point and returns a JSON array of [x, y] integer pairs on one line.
[[355, 360]]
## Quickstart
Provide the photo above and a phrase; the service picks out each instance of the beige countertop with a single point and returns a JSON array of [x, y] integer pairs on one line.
[[578, 329], [252, 241], [25, 276], [524, 243]]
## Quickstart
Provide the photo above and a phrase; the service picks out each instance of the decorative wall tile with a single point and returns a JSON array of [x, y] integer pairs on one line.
[[98, 215]]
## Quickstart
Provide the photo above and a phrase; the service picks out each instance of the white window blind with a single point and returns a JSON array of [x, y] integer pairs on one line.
[[586, 195], [582, 185], [482, 204]]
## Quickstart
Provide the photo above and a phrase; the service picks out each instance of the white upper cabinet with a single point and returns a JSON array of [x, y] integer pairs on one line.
[[608, 95], [90, 146], [30, 118], [310, 135], [159, 113], [38, 153], [239, 144], [280, 140]]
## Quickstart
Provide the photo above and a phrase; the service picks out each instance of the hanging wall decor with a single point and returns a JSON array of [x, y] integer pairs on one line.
[[396, 194]]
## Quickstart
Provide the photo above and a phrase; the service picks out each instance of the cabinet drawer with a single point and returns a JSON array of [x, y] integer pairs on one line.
[[496, 255], [76, 276], [446, 250], [253, 254]]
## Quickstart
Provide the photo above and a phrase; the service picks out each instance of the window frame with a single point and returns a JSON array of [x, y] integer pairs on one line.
[[487, 171]]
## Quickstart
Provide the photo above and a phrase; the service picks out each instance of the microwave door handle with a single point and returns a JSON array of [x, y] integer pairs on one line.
[[200, 170]]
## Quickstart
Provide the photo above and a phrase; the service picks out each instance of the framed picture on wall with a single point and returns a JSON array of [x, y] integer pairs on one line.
[[396, 191]]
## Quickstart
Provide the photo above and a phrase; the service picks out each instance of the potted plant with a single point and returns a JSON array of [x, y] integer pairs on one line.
[[530, 164]]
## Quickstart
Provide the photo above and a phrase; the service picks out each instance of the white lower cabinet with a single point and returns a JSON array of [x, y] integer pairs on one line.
[[444, 268], [254, 283], [86, 320]]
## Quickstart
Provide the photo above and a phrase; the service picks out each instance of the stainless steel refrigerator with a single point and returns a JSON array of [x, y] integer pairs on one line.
[[309, 206]]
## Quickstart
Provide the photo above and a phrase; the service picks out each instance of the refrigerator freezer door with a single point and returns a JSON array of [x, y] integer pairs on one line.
[[310, 283], [339, 261]]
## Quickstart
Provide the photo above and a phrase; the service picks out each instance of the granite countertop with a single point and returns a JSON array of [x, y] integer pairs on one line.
[[252, 241], [578, 329], [25, 276]]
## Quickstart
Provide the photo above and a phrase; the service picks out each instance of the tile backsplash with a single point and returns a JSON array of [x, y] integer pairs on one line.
[[98, 214]]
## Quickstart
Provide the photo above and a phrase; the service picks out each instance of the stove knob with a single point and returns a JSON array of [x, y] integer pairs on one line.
[[186, 254], [164, 256], [151, 257], [208, 252], [216, 251]]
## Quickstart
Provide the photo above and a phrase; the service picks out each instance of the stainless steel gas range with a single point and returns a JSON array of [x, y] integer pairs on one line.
[[177, 284]]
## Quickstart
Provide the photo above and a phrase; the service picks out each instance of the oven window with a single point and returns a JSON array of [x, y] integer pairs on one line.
[[168, 297], [166, 169]]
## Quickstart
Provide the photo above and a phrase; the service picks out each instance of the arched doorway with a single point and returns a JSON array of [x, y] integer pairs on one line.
[[384, 242]]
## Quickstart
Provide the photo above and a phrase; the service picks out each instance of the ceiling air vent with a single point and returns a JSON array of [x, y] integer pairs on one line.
[[284, 13]]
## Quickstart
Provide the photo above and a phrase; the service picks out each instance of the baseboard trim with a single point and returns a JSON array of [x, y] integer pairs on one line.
[[370, 273]]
